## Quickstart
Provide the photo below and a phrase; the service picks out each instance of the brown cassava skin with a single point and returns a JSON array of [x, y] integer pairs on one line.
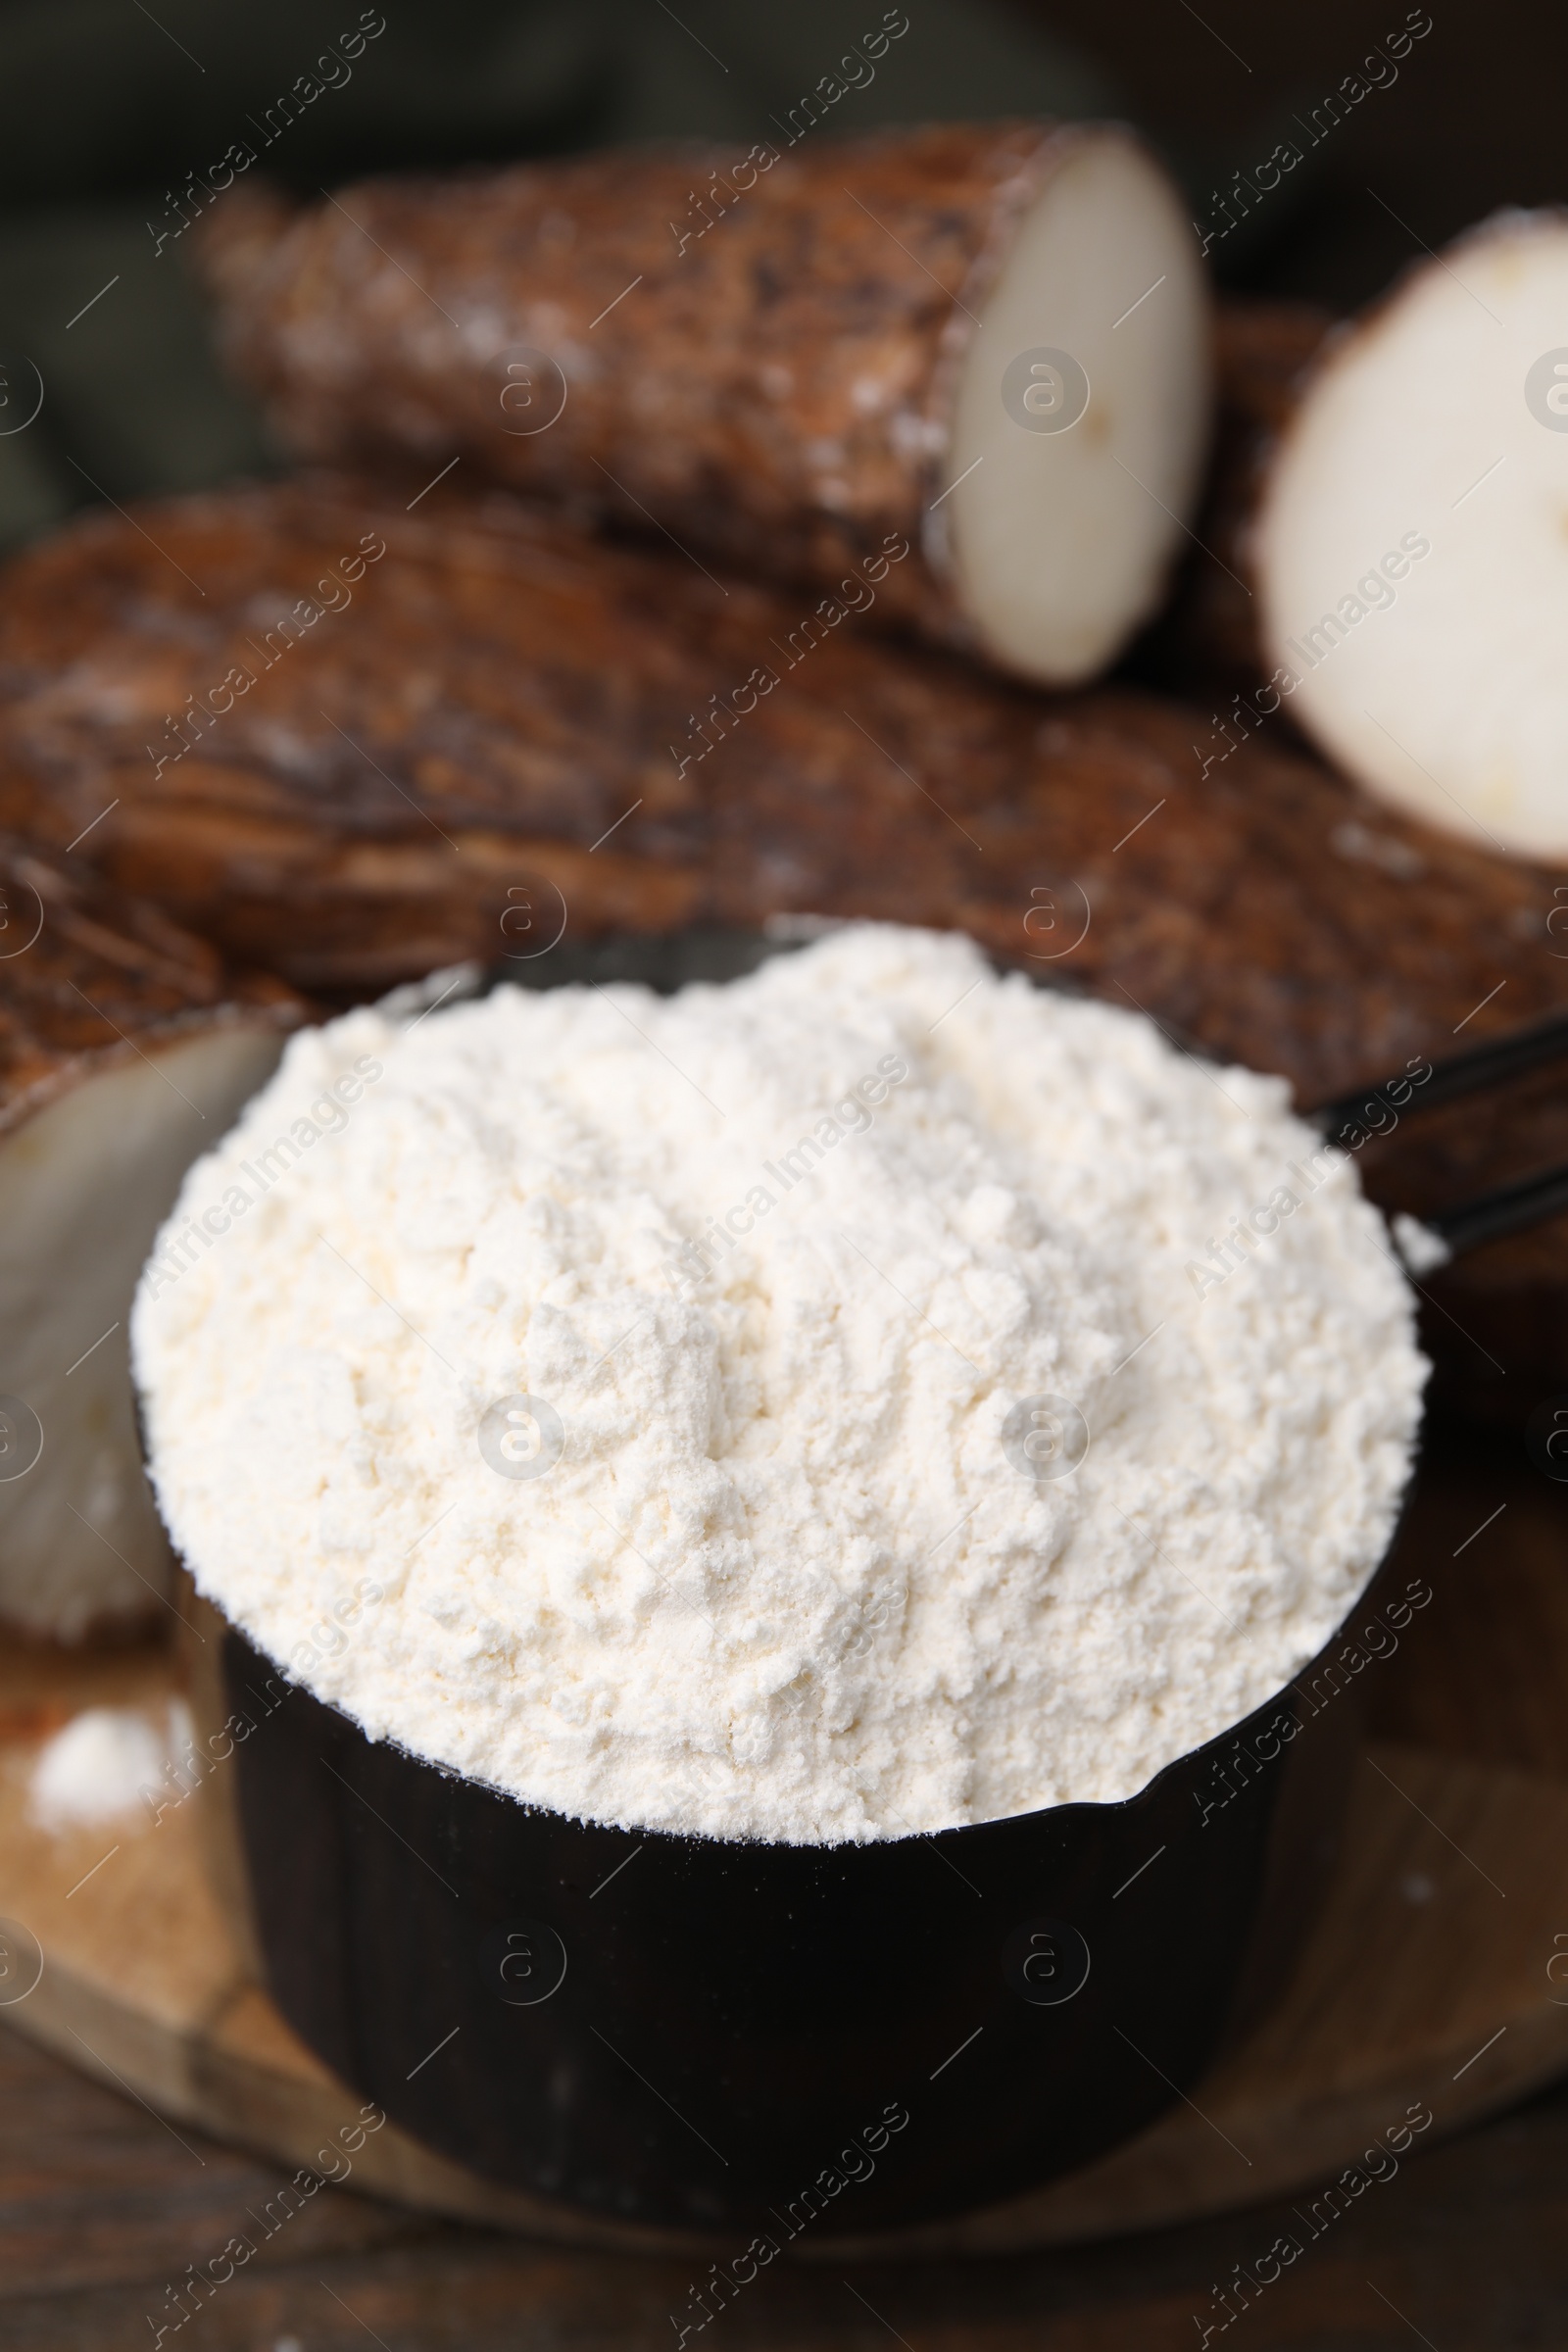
[[1263, 352], [90, 976], [763, 356], [493, 692]]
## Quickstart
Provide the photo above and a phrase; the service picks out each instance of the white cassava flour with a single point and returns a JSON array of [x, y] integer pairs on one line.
[[785, 1543]]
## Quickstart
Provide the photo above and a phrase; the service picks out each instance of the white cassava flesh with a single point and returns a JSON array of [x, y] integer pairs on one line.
[[84, 1185], [1411, 545], [1061, 541]]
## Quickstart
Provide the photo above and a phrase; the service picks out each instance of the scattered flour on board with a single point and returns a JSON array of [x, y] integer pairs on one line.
[[98, 1766], [781, 1259]]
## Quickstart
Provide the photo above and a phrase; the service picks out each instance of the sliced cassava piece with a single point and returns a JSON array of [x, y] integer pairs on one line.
[[987, 341], [1412, 544], [353, 745], [124, 1053]]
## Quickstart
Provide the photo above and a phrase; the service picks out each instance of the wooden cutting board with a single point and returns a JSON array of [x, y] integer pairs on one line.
[[1437, 1976]]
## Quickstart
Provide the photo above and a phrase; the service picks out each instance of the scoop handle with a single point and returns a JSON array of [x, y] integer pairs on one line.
[[1510, 1208], [1478, 1067]]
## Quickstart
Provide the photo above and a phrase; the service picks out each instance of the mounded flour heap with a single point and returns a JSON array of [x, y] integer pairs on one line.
[[782, 1266]]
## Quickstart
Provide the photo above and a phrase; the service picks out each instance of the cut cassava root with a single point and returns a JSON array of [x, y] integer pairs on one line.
[[508, 726], [124, 1053], [988, 340], [344, 788], [1411, 541]]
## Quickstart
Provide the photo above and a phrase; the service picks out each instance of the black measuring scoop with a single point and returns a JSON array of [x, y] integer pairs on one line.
[[755, 2041]]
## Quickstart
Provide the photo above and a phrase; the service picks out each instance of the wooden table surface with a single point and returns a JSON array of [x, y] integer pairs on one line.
[[103, 2206]]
